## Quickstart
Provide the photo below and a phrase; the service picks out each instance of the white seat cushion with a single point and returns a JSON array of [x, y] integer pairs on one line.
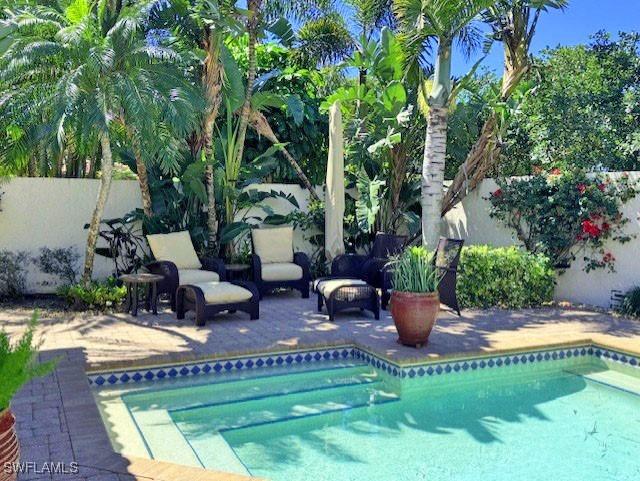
[[196, 276], [281, 271], [326, 288], [223, 293], [273, 244], [175, 247]]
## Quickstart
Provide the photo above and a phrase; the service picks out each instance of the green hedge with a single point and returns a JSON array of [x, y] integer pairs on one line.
[[504, 277]]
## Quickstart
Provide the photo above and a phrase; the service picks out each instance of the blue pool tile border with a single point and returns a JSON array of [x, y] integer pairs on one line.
[[351, 352], [231, 364]]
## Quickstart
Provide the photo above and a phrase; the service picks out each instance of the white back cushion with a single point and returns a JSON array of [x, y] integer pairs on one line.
[[175, 247], [273, 244]]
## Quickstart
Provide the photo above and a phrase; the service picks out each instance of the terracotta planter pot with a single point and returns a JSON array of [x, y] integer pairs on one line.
[[414, 315], [9, 446]]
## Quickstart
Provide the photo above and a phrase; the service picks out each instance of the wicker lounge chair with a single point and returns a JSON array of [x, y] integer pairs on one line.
[[446, 259], [370, 268], [275, 264], [209, 298], [176, 260]]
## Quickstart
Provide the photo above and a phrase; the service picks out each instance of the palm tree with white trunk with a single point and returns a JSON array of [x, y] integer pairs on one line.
[[440, 22]]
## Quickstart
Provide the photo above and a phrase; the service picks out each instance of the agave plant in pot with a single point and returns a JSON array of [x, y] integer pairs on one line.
[[18, 365], [415, 301]]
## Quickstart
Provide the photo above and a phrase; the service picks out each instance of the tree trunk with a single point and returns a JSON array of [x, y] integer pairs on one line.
[[143, 178], [212, 81], [96, 218], [32, 166], [261, 125], [485, 153], [254, 7], [435, 148]]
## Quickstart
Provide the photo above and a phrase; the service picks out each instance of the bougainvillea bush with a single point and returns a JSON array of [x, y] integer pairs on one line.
[[565, 214]]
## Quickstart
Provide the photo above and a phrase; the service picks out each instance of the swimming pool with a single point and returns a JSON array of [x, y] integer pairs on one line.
[[540, 415]]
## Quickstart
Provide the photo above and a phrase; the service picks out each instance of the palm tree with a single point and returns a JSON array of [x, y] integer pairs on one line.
[[95, 70], [442, 21], [513, 23]]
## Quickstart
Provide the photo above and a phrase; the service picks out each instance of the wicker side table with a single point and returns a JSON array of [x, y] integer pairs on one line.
[[150, 283]]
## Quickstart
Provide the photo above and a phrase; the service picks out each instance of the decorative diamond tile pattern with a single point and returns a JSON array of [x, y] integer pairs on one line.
[[349, 352]]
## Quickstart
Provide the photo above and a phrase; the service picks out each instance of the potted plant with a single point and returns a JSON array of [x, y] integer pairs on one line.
[[415, 301], [18, 365]]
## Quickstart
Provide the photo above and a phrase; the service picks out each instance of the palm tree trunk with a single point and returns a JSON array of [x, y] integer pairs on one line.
[[96, 218], [435, 148], [143, 178], [212, 80], [261, 125], [485, 153], [254, 8]]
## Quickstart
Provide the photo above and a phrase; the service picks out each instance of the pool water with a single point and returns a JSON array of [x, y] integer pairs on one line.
[[567, 420]]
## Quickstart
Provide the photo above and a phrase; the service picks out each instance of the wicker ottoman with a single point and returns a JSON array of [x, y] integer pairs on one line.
[[339, 294], [209, 298]]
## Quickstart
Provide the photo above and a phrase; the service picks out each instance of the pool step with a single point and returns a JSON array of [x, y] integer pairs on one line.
[[249, 387], [609, 377], [280, 407]]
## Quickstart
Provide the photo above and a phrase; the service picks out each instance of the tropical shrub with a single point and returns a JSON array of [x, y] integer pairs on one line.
[[12, 274], [414, 271], [631, 302], [563, 214], [61, 262], [96, 295], [505, 277], [19, 363]]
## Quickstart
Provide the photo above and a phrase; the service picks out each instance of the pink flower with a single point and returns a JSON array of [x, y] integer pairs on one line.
[[555, 171]]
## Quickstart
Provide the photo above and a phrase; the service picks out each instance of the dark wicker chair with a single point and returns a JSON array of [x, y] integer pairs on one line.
[[370, 268], [446, 259], [264, 286], [171, 280], [174, 254]]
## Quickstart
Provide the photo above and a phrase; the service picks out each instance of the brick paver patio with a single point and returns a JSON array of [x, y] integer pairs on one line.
[[58, 420]]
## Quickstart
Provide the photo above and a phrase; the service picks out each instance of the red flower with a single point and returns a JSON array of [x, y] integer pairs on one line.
[[581, 188], [602, 187], [497, 193], [555, 171], [608, 257], [605, 226], [591, 229]]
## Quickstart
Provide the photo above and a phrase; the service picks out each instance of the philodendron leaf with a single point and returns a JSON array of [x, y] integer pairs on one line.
[[368, 202], [295, 108]]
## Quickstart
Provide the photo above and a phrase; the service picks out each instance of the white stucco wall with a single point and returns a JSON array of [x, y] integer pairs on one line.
[[51, 212], [470, 220]]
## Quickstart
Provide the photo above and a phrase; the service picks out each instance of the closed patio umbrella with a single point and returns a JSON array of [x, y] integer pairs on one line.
[[334, 194]]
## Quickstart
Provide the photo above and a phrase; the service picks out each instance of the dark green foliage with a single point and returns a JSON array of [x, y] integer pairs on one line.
[[505, 277], [100, 296], [12, 274], [631, 302], [566, 213], [19, 363], [61, 262], [584, 111]]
